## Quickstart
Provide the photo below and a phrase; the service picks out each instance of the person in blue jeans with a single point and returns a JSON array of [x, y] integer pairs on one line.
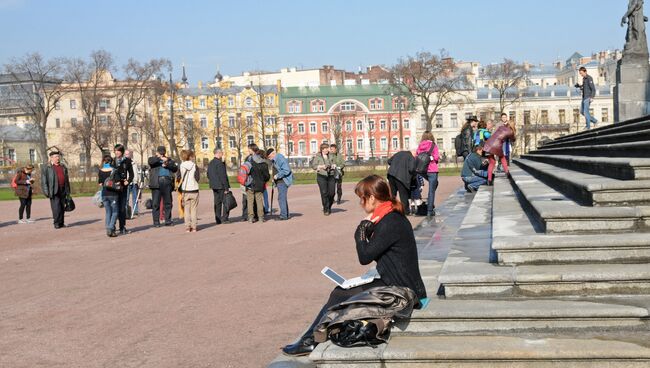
[[283, 178], [427, 144], [473, 173], [110, 198], [588, 93]]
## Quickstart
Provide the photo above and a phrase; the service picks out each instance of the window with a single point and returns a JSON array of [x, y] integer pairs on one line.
[[348, 145], [605, 115], [359, 126], [562, 116], [371, 125], [348, 126], [576, 115], [232, 143], [395, 143], [202, 103], [454, 120], [383, 143], [73, 104], [289, 128], [103, 119], [103, 105], [204, 122], [270, 120], [324, 127], [312, 127], [269, 100], [57, 106], [188, 103], [372, 144], [73, 122], [134, 137], [248, 102], [217, 122], [317, 106], [407, 142], [268, 142], [526, 116], [382, 125], [438, 120], [512, 116], [294, 107], [440, 143], [394, 125], [301, 147], [169, 102], [348, 106], [231, 121], [189, 122], [250, 139], [204, 143], [468, 115], [82, 159], [376, 104], [313, 147], [406, 124], [32, 155], [290, 145], [544, 117], [359, 145], [249, 121], [399, 105], [301, 128], [58, 123], [218, 142], [11, 152], [231, 101]]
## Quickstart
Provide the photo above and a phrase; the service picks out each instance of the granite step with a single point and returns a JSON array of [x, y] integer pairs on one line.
[[623, 168], [605, 130], [588, 189], [637, 149], [553, 212], [640, 134], [494, 351]]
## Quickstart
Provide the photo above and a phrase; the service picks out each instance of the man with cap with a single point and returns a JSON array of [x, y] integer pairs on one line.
[[161, 179], [124, 168], [55, 184], [283, 178]]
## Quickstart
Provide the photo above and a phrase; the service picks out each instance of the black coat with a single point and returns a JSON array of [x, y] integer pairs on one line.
[[391, 243], [155, 163], [218, 175], [125, 170], [50, 183], [259, 173], [402, 167]]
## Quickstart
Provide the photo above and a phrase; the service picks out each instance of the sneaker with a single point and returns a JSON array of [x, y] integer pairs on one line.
[[30, 221], [124, 231], [471, 189], [22, 221]]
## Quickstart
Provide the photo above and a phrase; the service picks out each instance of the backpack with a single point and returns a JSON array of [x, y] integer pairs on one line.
[[244, 176], [458, 145], [113, 182], [481, 136], [423, 160], [13, 181]]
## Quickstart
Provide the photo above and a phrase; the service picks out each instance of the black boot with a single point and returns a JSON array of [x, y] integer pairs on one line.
[[304, 346]]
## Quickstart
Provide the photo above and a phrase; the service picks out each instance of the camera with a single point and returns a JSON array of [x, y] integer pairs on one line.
[[577, 85]]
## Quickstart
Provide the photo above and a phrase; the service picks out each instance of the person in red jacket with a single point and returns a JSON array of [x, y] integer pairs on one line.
[[494, 147]]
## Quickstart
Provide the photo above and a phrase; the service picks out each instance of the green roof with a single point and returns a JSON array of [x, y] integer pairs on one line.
[[336, 91]]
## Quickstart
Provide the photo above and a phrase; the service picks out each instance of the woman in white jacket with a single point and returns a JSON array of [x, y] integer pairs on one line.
[[189, 186]]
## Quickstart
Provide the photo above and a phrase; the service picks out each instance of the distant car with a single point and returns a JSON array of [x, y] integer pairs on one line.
[[351, 163]]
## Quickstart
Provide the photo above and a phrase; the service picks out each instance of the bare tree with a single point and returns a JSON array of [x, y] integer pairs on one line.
[[38, 90], [508, 79], [289, 134], [238, 129], [434, 79]]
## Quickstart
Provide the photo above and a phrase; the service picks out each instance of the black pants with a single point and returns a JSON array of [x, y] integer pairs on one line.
[[398, 188], [164, 191], [122, 202], [220, 213], [25, 207], [57, 202], [327, 187], [339, 189]]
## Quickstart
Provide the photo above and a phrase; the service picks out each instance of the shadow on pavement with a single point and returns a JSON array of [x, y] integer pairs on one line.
[[84, 222]]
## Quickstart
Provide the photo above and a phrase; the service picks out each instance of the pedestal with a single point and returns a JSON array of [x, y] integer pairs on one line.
[[632, 93]]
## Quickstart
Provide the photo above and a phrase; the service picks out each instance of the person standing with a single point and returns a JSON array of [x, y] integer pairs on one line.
[[401, 168], [110, 198], [494, 148], [325, 170], [189, 186], [283, 179], [24, 183], [337, 159], [55, 184], [259, 174], [218, 177], [588, 93], [161, 185], [427, 144], [467, 136], [124, 168], [135, 185]]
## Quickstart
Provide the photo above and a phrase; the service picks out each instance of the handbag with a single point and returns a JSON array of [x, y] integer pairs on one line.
[[180, 185], [68, 204], [229, 202], [97, 199], [113, 184]]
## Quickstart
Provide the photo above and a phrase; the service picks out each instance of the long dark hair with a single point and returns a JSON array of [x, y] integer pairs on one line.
[[376, 186]]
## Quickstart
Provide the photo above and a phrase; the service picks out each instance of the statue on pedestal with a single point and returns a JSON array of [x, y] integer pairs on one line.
[[636, 44]]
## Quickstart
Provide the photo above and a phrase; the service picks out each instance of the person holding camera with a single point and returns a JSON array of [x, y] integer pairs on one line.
[[124, 167], [55, 184], [23, 184], [135, 185], [337, 159], [161, 179], [588, 93], [325, 177]]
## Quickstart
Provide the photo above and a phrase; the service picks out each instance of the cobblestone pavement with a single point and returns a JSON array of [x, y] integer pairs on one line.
[[226, 296]]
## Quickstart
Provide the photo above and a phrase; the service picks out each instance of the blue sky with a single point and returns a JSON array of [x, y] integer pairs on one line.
[[269, 35]]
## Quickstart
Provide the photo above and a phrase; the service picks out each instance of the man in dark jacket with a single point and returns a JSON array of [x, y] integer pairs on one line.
[[588, 93], [467, 136], [255, 191], [400, 174], [218, 177], [55, 184], [474, 174], [124, 168], [161, 178]]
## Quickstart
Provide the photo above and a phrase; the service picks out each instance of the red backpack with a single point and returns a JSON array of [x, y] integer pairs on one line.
[[244, 175], [13, 181]]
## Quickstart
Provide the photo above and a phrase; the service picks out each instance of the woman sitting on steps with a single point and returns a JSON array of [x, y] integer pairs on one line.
[[385, 236]]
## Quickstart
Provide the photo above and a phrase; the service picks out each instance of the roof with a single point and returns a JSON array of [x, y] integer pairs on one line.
[[575, 56], [541, 92], [342, 91], [209, 91], [15, 133]]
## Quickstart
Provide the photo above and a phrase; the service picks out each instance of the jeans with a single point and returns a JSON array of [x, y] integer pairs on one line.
[[283, 189], [133, 195], [476, 180], [432, 178], [584, 110], [266, 201], [123, 201], [327, 188], [111, 207]]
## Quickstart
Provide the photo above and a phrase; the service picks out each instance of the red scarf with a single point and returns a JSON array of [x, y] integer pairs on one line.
[[381, 210]]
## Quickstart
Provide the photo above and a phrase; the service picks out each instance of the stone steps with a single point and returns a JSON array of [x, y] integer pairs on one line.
[[610, 138], [495, 351], [634, 149], [617, 128], [622, 168], [589, 189], [553, 212]]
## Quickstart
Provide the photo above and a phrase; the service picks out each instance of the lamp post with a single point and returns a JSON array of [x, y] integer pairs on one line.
[[172, 140]]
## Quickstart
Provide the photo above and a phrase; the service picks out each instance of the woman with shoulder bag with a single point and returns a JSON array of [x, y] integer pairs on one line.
[[23, 184], [428, 144], [189, 186], [110, 197], [384, 236], [325, 169]]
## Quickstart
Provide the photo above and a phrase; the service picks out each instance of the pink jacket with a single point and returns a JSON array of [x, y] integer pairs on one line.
[[425, 146]]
